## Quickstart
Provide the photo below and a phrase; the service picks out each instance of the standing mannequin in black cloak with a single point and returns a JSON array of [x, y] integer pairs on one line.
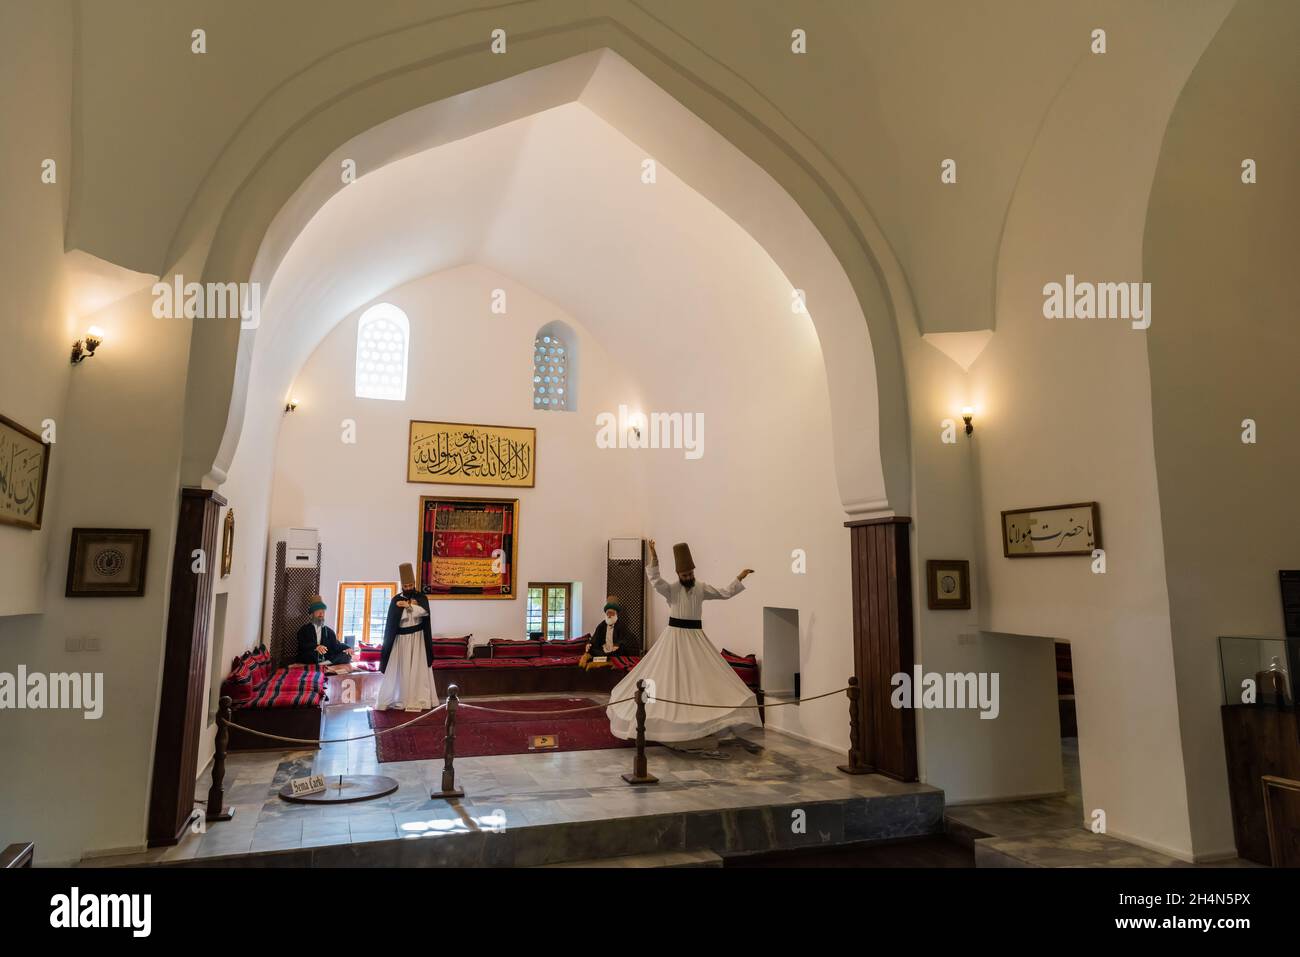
[[407, 659]]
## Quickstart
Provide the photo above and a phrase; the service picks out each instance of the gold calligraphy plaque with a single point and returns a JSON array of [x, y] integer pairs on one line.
[[456, 453]]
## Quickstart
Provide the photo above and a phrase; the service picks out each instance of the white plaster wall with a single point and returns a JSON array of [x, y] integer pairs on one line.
[[39, 327], [466, 365], [1064, 415], [1222, 255], [71, 784]]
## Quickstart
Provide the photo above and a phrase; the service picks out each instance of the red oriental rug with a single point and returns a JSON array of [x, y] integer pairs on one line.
[[485, 732]]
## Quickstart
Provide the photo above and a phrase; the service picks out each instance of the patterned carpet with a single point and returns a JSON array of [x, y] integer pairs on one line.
[[480, 732]]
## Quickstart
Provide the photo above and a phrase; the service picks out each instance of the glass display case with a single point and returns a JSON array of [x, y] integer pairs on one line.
[[1259, 670]]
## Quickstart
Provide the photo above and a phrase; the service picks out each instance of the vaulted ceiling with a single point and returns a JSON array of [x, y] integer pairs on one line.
[[886, 91]]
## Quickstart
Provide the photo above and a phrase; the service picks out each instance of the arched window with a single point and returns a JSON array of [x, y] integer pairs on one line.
[[383, 338], [553, 368]]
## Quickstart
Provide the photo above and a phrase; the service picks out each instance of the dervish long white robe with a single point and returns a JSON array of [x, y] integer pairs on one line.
[[408, 682], [684, 665]]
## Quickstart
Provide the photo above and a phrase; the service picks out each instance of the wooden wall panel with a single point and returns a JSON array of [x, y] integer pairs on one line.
[[185, 674], [882, 640]]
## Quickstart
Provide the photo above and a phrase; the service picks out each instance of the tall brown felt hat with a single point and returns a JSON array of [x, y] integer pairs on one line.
[[407, 572], [682, 558]]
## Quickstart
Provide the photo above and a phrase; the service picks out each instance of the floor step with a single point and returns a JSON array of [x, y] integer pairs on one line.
[[661, 859]]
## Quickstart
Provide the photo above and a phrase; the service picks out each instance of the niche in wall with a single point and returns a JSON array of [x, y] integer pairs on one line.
[[780, 652], [217, 664]]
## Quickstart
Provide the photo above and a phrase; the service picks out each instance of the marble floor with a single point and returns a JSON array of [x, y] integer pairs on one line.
[[533, 790], [1051, 831]]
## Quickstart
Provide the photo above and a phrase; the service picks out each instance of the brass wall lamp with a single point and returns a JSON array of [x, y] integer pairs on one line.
[[85, 348]]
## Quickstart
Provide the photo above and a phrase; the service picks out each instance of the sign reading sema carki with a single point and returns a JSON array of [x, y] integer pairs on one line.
[[454, 453]]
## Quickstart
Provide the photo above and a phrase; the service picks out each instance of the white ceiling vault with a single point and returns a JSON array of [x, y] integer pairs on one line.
[[557, 200]]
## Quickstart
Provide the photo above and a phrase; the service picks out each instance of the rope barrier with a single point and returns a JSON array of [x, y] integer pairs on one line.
[[764, 706], [361, 737], [640, 772], [546, 714], [531, 714]]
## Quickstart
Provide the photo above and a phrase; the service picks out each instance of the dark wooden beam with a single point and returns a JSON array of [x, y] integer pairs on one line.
[[184, 678], [883, 640]]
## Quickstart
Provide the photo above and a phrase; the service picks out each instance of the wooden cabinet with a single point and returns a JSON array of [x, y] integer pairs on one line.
[[1260, 740]]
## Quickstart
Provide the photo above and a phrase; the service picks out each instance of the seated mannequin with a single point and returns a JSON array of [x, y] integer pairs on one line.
[[607, 638], [317, 643]]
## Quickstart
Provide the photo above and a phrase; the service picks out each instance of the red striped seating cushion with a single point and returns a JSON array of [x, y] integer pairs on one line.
[[573, 646], [247, 677], [553, 661], [745, 666], [451, 647], [297, 686], [512, 648], [500, 662]]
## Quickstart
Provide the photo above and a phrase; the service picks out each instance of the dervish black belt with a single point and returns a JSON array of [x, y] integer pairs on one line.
[[410, 629], [686, 623]]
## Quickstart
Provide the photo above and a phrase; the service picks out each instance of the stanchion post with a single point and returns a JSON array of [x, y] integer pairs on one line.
[[449, 789], [640, 773], [856, 764], [217, 810]]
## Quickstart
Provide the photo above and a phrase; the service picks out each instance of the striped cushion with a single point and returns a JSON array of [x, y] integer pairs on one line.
[[512, 648], [298, 686], [554, 661], [451, 647], [745, 666], [573, 646], [501, 662]]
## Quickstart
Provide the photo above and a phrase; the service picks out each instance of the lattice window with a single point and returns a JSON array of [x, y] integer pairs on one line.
[[551, 359], [383, 340]]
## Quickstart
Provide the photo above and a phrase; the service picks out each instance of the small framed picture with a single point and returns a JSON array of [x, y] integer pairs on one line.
[[948, 583], [107, 562]]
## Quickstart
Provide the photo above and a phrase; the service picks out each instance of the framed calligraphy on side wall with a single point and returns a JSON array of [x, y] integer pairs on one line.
[[469, 547], [1051, 530], [456, 453], [24, 467]]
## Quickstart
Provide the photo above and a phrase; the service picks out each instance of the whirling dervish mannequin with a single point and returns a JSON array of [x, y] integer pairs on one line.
[[684, 665], [407, 659]]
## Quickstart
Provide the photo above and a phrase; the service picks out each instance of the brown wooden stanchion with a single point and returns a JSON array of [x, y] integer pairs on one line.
[[856, 765], [217, 810], [449, 789], [640, 773]]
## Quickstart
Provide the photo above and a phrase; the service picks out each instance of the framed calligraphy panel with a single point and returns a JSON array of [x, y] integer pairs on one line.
[[455, 453], [24, 467], [1051, 530], [469, 547]]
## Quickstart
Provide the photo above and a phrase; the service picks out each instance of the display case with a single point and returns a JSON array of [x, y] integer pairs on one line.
[[1262, 746], [1260, 671]]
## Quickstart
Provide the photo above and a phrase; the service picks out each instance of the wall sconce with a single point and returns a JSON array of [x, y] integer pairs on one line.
[[968, 413], [291, 405], [85, 348]]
